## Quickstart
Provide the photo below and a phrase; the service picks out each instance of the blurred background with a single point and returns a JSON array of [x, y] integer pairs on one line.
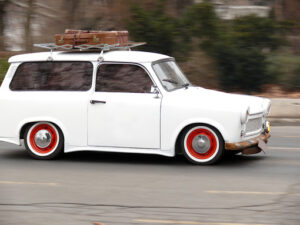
[[244, 46]]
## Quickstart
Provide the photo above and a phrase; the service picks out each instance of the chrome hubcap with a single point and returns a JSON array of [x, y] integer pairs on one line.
[[43, 138], [201, 144]]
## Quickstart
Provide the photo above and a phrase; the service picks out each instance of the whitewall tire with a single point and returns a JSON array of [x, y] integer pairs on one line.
[[202, 144], [43, 140]]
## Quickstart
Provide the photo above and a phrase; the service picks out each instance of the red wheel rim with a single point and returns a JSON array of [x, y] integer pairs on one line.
[[213, 143], [52, 144]]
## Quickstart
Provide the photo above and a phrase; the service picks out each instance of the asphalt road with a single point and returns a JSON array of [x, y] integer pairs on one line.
[[82, 188]]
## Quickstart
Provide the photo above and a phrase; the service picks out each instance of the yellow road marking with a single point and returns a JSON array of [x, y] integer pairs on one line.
[[293, 162], [28, 183], [188, 222], [283, 148], [290, 136], [249, 193]]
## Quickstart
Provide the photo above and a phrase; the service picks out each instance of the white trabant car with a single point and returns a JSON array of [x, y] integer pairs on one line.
[[123, 101]]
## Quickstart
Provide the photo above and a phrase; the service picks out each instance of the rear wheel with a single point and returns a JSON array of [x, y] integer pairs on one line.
[[43, 140], [202, 145]]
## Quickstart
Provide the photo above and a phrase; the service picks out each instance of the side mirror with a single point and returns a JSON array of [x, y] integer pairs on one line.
[[154, 90]]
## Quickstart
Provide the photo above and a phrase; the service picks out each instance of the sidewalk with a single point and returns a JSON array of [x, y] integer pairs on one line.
[[285, 112]]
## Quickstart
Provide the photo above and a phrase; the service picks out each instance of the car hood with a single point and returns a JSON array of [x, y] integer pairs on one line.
[[218, 99]]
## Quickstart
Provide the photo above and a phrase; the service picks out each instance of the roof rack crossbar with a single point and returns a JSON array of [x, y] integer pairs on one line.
[[102, 47]]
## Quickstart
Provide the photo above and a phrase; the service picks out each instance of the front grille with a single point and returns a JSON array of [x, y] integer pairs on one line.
[[254, 124]]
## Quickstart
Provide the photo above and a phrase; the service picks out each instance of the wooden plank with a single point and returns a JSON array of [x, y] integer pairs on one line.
[[79, 37]]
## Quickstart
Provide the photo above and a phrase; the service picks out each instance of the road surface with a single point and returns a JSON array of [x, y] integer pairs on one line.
[[83, 188]]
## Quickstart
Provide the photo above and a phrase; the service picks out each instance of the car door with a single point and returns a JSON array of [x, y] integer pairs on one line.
[[123, 110]]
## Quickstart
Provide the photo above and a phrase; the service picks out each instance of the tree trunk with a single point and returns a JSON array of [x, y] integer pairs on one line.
[[3, 4], [28, 27], [279, 8], [72, 13], [181, 5]]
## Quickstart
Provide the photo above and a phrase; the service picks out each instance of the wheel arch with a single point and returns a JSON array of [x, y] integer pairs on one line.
[[217, 127], [27, 123]]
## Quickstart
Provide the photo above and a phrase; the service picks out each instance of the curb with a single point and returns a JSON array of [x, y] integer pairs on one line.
[[285, 112], [284, 121], [285, 108]]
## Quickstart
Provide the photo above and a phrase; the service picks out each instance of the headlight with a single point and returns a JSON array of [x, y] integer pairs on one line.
[[267, 127], [245, 116]]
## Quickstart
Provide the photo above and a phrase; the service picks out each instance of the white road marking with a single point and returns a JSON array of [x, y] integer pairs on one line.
[[188, 222], [250, 193], [26, 183]]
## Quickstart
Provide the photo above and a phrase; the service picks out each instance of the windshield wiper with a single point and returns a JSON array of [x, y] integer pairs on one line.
[[186, 85], [170, 81]]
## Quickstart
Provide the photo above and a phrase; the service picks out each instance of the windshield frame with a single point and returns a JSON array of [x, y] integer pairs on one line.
[[171, 59]]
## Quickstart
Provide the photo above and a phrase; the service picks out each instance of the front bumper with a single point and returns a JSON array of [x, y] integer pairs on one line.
[[247, 144]]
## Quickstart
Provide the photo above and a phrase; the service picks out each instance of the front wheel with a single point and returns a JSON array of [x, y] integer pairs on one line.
[[202, 145], [43, 140]]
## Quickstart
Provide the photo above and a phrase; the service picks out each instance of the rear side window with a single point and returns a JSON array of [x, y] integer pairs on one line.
[[123, 78], [53, 76]]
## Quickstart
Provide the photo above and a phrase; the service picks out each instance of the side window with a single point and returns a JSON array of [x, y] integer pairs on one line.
[[123, 78], [53, 76]]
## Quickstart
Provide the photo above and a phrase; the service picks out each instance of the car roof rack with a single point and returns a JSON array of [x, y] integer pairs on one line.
[[102, 47]]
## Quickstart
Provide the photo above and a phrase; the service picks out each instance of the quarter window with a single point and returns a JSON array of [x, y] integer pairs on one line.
[[123, 78], [53, 76]]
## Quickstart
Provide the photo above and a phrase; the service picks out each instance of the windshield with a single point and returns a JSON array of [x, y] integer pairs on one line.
[[170, 75]]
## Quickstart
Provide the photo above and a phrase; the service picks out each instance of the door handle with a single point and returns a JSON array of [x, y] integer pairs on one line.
[[97, 102]]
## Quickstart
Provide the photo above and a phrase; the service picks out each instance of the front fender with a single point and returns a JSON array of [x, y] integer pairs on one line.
[[207, 121]]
